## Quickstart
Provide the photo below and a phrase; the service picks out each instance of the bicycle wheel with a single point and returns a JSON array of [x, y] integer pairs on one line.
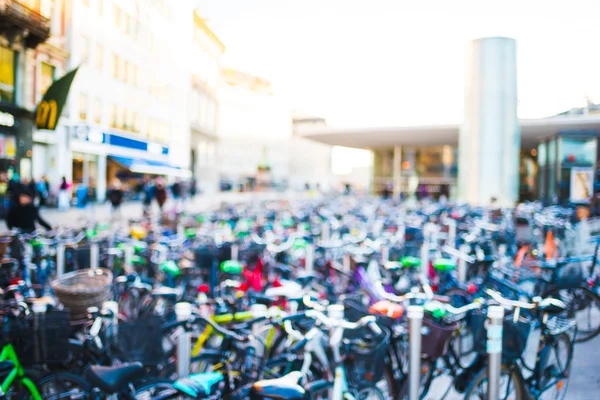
[[61, 386], [462, 343], [510, 386], [583, 306], [555, 368]]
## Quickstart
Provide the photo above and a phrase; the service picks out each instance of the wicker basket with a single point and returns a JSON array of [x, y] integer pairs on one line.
[[82, 289]]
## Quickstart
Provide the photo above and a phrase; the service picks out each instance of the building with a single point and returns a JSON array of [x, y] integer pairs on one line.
[[127, 111], [26, 65], [204, 105], [553, 154], [255, 129], [310, 161]]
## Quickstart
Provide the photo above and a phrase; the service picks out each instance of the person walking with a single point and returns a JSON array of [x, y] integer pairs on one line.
[[42, 190], [148, 195], [160, 193], [176, 190], [115, 197], [63, 195]]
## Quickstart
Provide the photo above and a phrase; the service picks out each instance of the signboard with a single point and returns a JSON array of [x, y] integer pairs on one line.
[[582, 185], [8, 147]]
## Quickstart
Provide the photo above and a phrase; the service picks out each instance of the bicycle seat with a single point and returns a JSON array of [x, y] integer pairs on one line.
[[199, 385], [305, 278], [387, 309], [394, 265], [285, 387], [552, 306], [114, 379]]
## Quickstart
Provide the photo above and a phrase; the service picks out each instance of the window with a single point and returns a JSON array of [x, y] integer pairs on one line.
[[99, 57], [97, 110], [137, 122], [116, 15], [129, 120], [134, 78], [46, 77], [83, 107], [119, 121], [85, 49], [7, 75], [113, 117], [125, 71], [100, 7], [116, 66]]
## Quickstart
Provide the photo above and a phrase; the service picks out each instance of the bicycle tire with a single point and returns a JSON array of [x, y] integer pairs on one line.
[[463, 344], [550, 368], [480, 383], [577, 300], [71, 387]]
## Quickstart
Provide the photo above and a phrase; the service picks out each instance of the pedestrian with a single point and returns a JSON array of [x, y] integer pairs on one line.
[[148, 195], [3, 195], [115, 196], [24, 215], [176, 190], [63, 195], [160, 193], [193, 188], [42, 190]]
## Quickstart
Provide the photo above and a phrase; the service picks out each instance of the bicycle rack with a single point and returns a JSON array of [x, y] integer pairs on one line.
[[184, 345], [415, 323], [309, 258], [94, 255], [494, 350]]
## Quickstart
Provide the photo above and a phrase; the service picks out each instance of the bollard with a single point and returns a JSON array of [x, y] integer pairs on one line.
[[451, 232], [494, 350], [310, 258], [184, 345], [346, 263], [385, 254], [462, 264], [128, 257], [113, 307], [235, 251], [94, 255], [60, 260], [415, 321], [325, 232]]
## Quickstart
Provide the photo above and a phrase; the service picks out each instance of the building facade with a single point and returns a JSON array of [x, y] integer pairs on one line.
[[31, 34], [127, 113]]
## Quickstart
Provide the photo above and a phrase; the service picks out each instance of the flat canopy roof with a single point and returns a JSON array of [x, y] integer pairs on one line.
[[532, 130]]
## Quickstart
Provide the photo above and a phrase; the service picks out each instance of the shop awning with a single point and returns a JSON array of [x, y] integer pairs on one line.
[[151, 167]]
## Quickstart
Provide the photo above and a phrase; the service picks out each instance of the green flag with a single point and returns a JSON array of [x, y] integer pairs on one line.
[[48, 111]]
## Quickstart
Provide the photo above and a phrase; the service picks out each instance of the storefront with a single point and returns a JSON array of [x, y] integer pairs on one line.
[[567, 167], [16, 130]]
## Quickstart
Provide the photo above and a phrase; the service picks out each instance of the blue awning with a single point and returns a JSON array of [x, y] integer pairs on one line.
[[151, 167]]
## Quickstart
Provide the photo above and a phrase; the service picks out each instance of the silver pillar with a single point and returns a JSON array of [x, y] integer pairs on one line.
[[489, 141], [494, 349], [397, 172], [415, 321], [184, 344]]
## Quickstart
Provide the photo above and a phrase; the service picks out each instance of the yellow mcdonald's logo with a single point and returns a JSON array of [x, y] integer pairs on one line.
[[46, 115]]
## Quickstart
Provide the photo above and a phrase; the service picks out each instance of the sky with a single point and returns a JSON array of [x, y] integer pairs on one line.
[[375, 63], [383, 62]]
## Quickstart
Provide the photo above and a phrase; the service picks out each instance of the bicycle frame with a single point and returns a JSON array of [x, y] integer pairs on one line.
[[18, 373]]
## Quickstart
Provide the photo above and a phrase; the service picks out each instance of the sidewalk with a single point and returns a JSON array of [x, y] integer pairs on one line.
[[101, 212], [132, 210]]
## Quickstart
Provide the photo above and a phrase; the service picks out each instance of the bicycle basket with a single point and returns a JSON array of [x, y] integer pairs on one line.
[[435, 342], [82, 289], [40, 338], [357, 305], [514, 335], [569, 276], [141, 340], [365, 357]]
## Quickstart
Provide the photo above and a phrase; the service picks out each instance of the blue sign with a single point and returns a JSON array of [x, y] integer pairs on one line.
[[136, 144]]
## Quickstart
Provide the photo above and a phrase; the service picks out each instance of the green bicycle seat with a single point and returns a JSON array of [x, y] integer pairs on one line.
[[199, 385], [444, 264], [410, 262], [190, 233], [299, 243], [171, 268], [232, 267]]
